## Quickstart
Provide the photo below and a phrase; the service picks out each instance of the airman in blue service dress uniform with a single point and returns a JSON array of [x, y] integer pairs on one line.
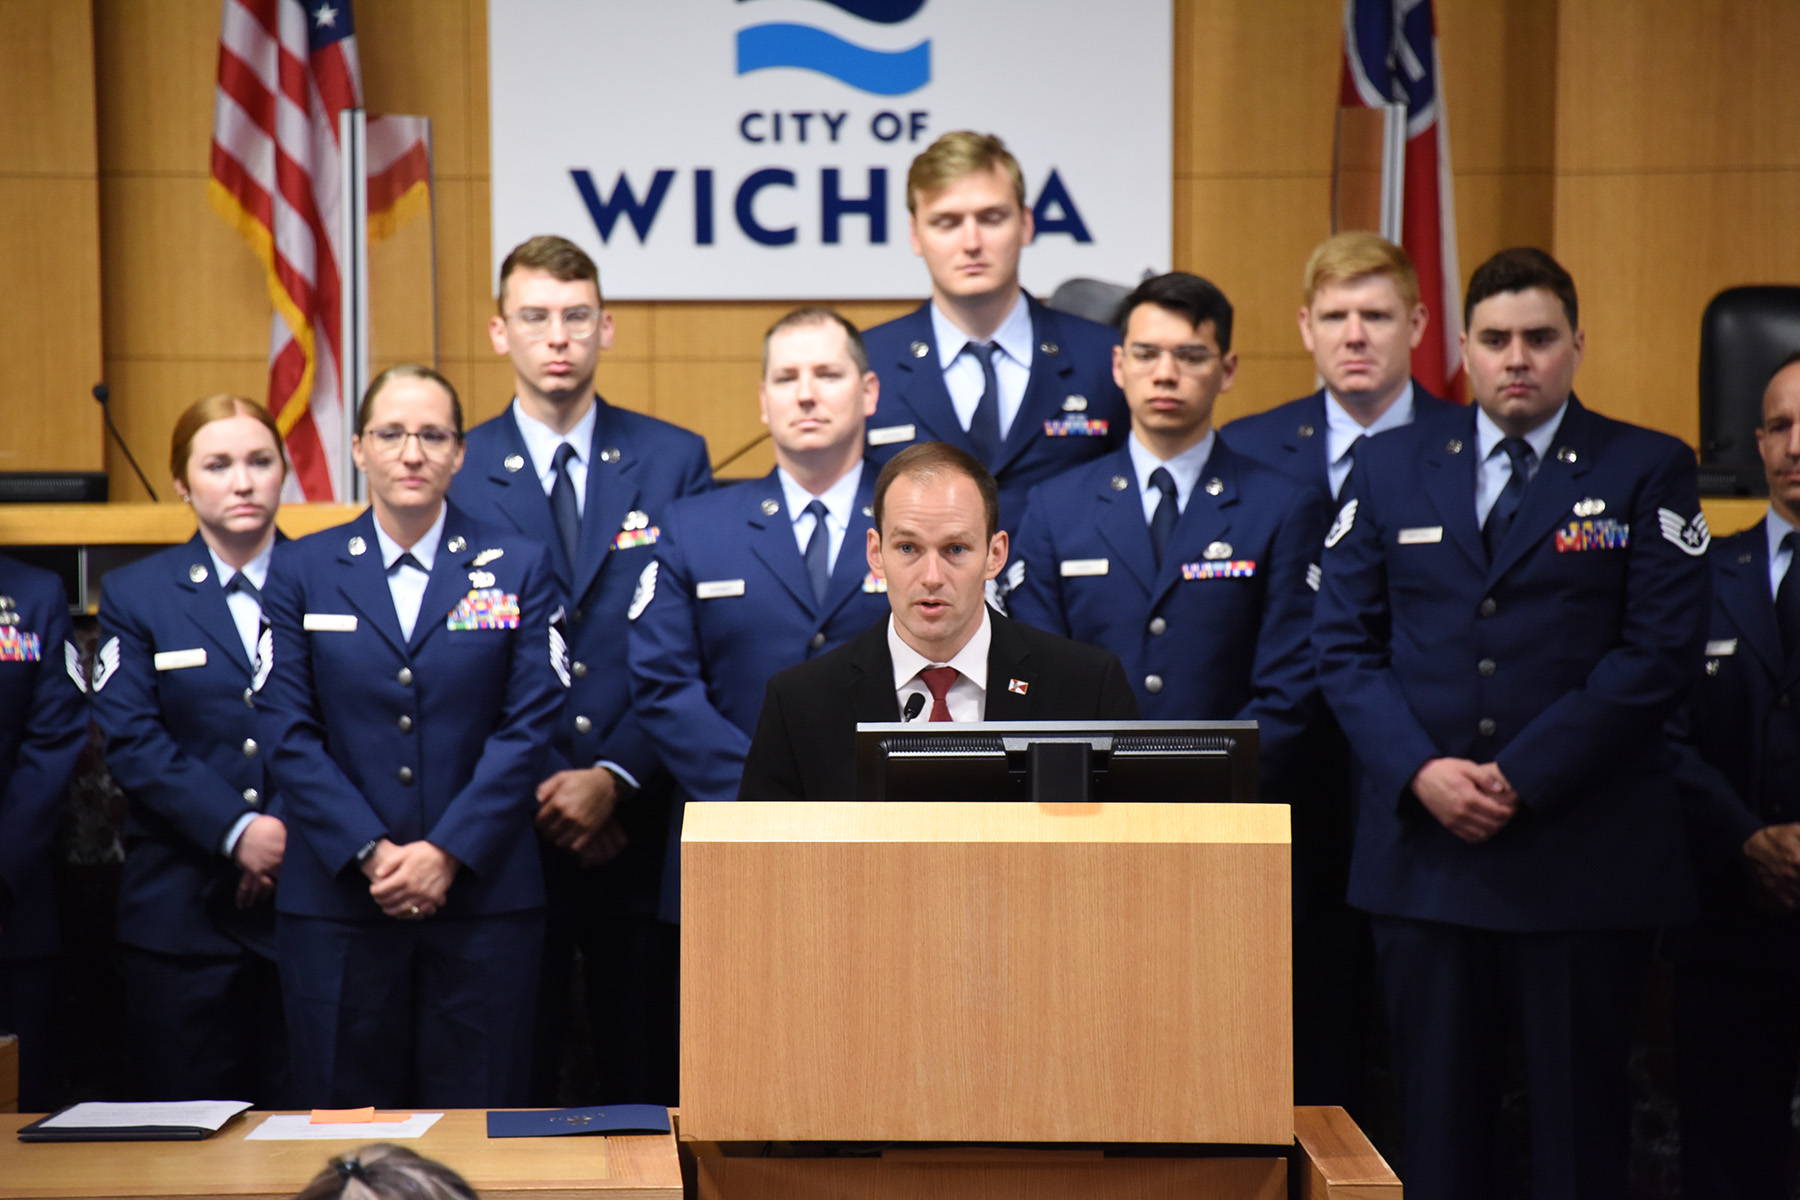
[[1213, 624], [604, 806], [1737, 979], [416, 688], [1360, 319], [747, 580], [183, 655], [43, 728], [1513, 602], [982, 365]]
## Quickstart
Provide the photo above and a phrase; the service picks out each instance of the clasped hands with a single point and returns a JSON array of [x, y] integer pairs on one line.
[[1472, 800], [575, 813], [1772, 855], [410, 881]]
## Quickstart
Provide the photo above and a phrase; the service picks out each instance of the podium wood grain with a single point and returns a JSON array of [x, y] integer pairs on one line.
[[986, 972], [1336, 1161], [225, 1165]]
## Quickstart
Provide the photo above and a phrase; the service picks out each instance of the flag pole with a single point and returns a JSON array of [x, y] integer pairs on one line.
[[353, 370]]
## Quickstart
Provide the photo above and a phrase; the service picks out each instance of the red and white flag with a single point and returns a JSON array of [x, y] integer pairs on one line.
[[287, 68], [1391, 57]]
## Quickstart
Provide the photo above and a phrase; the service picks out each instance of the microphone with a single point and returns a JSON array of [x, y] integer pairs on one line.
[[102, 394], [914, 706]]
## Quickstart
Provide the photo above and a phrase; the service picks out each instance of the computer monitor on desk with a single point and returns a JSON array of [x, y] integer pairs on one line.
[[1058, 762]]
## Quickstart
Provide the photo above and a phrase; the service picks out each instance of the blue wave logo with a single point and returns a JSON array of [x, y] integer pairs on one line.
[[884, 12], [808, 48]]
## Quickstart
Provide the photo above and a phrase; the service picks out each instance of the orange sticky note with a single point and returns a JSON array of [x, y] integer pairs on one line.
[[343, 1116]]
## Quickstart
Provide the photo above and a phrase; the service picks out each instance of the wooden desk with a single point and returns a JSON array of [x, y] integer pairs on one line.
[[225, 1165]]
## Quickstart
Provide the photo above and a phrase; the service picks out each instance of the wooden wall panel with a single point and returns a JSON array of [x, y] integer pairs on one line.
[[50, 339], [1594, 127]]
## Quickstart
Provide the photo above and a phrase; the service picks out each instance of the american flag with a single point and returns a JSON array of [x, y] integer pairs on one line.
[[287, 68], [1391, 57]]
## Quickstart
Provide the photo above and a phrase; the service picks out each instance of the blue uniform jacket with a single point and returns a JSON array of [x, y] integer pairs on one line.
[[1072, 410], [726, 607], [176, 741], [1735, 743], [648, 464], [43, 728], [1294, 437], [441, 736], [1561, 661], [1221, 631]]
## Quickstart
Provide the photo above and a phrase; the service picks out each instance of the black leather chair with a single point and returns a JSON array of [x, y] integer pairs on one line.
[[1744, 333], [1095, 299]]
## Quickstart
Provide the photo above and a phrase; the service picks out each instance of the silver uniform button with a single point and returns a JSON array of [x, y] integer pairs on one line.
[[404, 677], [1215, 486], [583, 725], [1485, 727], [405, 723], [404, 775], [770, 507], [818, 639], [1158, 626], [197, 573], [1048, 347], [1566, 455], [1485, 667], [249, 697], [249, 747], [1120, 483], [252, 797], [357, 546], [1153, 684], [579, 670], [1488, 607], [1305, 431], [920, 349], [1454, 445], [513, 462]]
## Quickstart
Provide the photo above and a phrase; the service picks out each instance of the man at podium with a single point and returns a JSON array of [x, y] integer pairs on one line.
[[941, 654]]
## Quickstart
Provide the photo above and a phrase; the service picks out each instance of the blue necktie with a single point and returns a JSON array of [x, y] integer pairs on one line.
[[1787, 602], [1162, 521], [241, 583], [1506, 505], [818, 552], [563, 509], [984, 427], [1344, 491]]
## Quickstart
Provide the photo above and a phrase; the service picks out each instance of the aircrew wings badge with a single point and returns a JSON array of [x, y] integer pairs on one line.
[[1345, 519], [1691, 537]]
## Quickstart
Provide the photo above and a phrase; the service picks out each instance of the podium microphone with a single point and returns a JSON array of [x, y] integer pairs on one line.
[[102, 394], [915, 705]]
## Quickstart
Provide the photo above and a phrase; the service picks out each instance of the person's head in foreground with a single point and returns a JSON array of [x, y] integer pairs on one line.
[[383, 1171]]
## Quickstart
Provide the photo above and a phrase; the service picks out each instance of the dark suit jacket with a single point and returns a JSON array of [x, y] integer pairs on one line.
[[43, 729], [1072, 410], [805, 743], [1561, 660], [1222, 627], [1736, 744], [636, 464], [175, 742], [440, 736], [1293, 437]]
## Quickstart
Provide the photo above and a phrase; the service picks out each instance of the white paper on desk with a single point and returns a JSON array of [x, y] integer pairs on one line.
[[298, 1127], [189, 1114]]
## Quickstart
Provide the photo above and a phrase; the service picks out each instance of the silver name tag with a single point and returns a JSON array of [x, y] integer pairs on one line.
[[888, 434], [1721, 648], [329, 622], [1085, 566], [1422, 536], [717, 589], [176, 660]]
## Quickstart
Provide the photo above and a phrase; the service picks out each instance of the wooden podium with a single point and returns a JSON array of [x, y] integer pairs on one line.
[[986, 973]]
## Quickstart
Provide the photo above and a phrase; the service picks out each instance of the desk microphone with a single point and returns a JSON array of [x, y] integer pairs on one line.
[[102, 394], [915, 705]]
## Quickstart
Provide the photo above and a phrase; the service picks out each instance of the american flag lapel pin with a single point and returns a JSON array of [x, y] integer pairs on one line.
[[1018, 686]]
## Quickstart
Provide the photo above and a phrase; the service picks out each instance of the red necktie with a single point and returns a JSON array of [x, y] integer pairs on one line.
[[939, 679]]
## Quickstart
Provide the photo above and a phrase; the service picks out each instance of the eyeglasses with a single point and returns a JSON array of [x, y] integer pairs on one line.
[[434, 440], [576, 322], [1188, 358]]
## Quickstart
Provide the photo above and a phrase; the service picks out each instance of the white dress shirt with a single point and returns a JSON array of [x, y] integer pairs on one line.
[[1342, 430], [407, 585], [839, 500], [1496, 467], [1780, 557], [967, 697], [1185, 468], [962, 371], [246, 613], [541, 442]]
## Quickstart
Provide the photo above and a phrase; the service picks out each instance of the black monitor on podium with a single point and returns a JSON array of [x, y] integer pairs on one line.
[[1058, 762]]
